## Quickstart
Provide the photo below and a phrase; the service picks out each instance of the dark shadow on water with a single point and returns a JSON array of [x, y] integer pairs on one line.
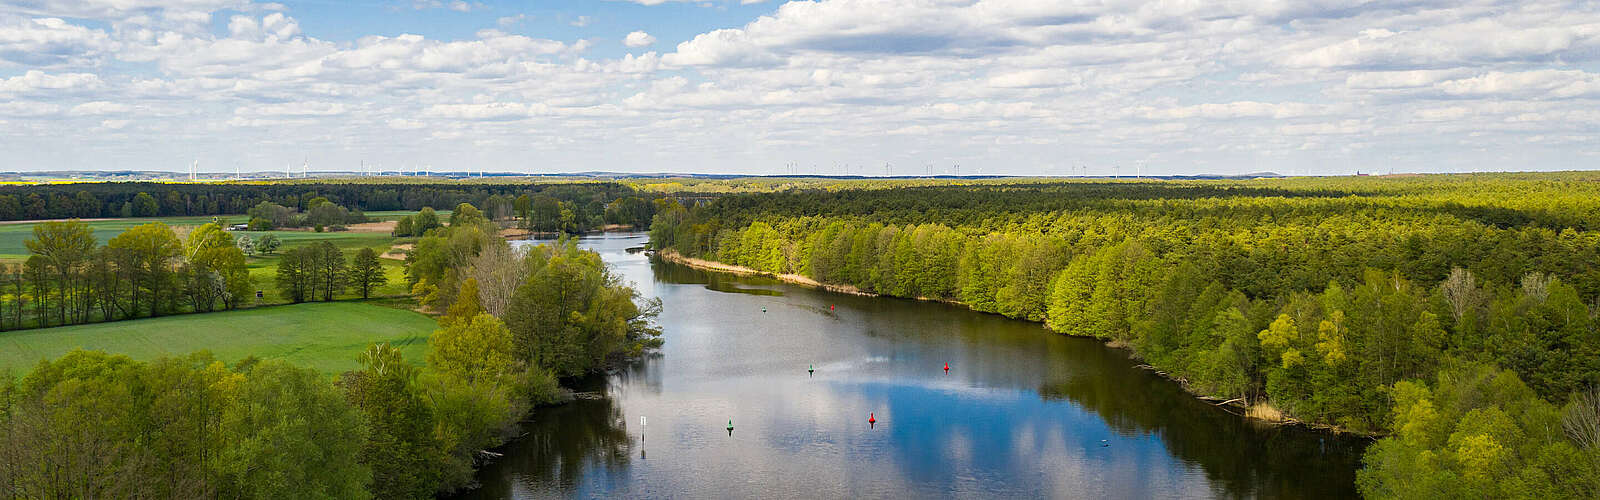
[[558, 447]]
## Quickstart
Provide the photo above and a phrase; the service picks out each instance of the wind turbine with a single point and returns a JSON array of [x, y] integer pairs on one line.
[[305, 168], [192, 167]]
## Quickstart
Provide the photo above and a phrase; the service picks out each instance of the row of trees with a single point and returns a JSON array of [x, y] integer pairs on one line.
[[1321, 300], [148, 270], [318, 272], [138, 199], [321, 214], [543, 213]]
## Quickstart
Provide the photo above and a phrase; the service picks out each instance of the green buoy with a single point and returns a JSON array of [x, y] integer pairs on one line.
[[730, 427]]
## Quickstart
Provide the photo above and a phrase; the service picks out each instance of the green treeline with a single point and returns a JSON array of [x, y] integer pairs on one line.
[[1455, 315], [587, 200], [544, 213], [97, 425]]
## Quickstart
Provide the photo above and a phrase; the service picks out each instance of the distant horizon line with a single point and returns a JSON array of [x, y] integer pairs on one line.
[[459, 175]]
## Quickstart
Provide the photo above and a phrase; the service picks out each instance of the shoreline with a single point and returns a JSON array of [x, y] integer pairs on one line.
[[1253, 412]]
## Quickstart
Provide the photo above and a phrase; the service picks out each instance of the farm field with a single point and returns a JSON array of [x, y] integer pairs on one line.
[[327, 336]]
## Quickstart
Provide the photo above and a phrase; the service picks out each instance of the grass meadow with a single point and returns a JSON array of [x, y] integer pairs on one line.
[[325, 335]]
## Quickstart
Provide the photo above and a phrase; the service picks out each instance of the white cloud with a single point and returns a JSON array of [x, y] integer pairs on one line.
[[1538, 84], [638, 39], [39, 82], [511, 21], [99, 108], [491, 111], [28, 109], [1013, 85], [45, 42], [292, 109], [405, 124]]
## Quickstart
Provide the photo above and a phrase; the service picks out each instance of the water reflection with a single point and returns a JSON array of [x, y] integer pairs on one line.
[[560, 448], [1022, 413]]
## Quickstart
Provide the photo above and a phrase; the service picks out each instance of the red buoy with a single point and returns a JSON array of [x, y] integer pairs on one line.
[[947, 367], [872, 418]]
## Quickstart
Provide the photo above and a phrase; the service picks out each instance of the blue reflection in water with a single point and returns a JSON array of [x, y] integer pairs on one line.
[[1023, 413]]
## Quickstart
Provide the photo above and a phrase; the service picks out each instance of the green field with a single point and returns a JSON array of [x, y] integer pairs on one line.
[[327, 336], [12, 235]]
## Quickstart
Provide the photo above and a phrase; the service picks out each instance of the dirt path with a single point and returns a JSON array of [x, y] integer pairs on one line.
[[373, 227], [397, 252]]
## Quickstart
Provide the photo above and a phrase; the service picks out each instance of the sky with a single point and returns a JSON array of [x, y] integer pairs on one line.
[[859, 87]]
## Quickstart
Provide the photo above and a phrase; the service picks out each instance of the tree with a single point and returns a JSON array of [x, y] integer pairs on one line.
[[366, 272], [573, 315], [268, 243], [401, 448], [544, 214], [424, 221], [217, 269], [293, 436], [403, 227], [330, 268], [145, 253], [466, 214], [267, 215], [245, 244], [498, 270], [145, 205], [259, 224], [475, 349], [295, 271], [65, 246]]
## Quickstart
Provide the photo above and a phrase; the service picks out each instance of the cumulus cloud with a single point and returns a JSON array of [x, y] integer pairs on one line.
[[46, 42], [638, 39]]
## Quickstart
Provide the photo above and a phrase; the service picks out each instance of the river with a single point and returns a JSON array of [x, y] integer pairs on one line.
[[1021, 413]]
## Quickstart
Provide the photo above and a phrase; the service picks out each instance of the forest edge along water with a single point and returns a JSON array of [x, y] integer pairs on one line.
[[1022, 412], [1262, 411]]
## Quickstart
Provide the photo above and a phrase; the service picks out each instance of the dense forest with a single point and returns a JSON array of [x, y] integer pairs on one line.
[[92, 424], [1454, 316], [587, 201]]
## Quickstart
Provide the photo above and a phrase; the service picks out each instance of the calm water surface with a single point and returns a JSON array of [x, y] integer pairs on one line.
[[1022, 412]]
